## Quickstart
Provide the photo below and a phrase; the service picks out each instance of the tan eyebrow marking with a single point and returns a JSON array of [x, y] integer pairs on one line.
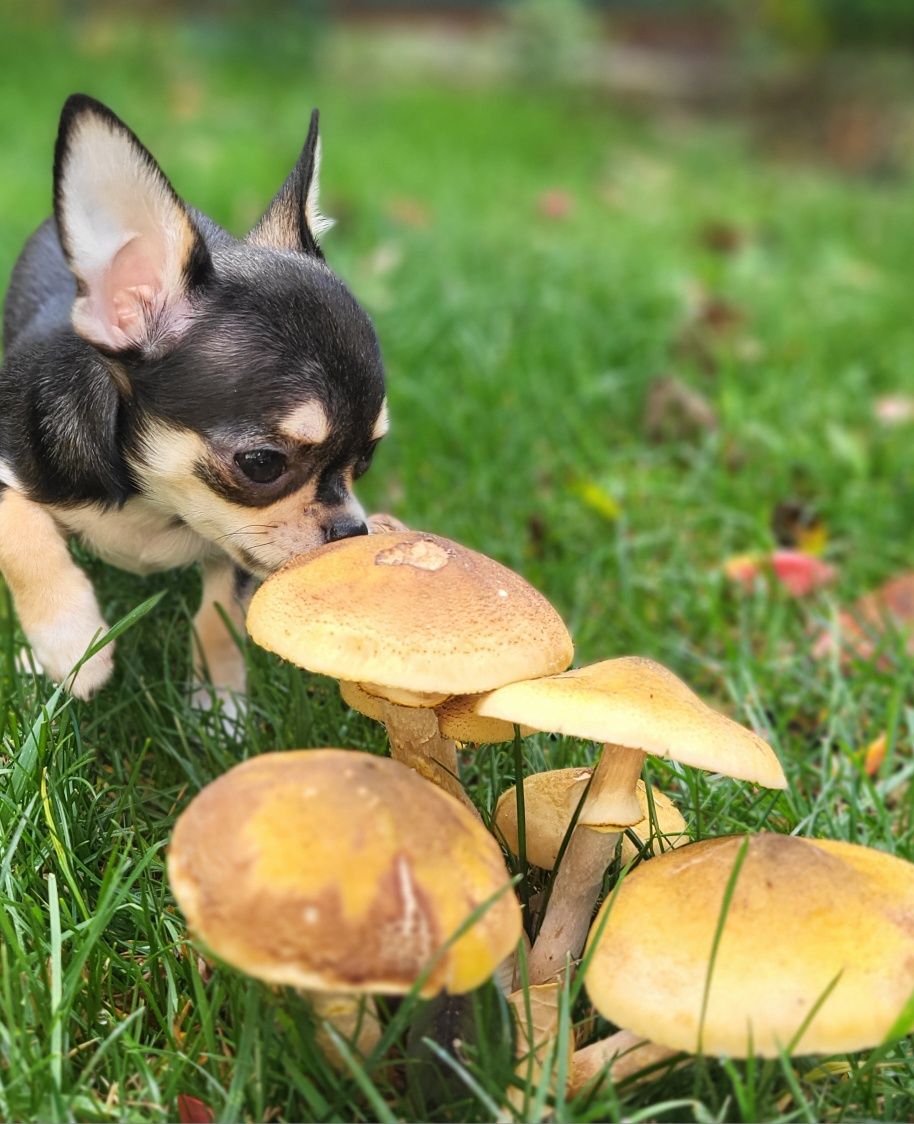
[[382, 425], [307, 422]]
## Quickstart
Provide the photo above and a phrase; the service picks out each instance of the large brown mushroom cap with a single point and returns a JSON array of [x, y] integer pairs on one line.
[[339, 871], [804, 914], [411, 611], [550, 800], [639, 704]]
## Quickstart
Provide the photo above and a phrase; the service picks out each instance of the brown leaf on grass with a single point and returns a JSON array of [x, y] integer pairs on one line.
[[799, 526], [676, 412], [863, 626], [409, 212], [555, 204], [191, 1110], [713, 320], [722, 237]]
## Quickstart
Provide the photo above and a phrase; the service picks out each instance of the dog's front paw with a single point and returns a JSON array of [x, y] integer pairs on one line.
[[58, 646], [226, 703]]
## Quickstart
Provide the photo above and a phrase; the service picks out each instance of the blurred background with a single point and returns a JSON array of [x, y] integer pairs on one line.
[[640, 269]]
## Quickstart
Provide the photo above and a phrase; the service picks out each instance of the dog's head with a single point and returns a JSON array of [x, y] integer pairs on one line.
[[251, 378]]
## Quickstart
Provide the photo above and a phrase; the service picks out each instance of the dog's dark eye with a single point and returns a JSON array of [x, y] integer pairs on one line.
[[363, 464], [263, 466]]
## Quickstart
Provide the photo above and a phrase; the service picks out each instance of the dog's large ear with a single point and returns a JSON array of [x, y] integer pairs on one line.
[[129, 240], [293, 220]]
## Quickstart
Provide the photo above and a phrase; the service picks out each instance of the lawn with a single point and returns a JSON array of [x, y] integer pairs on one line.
[[521, 335]]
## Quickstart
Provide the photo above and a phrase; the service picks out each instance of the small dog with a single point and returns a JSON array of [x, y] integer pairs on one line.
[[173, 395]]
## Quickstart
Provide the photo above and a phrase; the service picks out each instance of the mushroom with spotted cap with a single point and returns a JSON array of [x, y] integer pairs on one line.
[[342, 873], [635, 707], [413, 619]]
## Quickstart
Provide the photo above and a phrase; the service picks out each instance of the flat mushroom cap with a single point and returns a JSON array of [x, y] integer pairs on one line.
[[637, 703], [804, 913], [550, 799], [411, 611], [333, 870]]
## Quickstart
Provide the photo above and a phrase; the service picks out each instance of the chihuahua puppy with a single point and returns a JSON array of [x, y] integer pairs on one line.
[[172, 395]]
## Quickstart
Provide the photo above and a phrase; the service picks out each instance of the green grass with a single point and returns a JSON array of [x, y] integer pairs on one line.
[[519, 352]]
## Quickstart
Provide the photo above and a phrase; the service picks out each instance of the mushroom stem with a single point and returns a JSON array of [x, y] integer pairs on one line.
[[536, 1031], [354, 1017], [415, 741], [579, 877], [620, 1056]]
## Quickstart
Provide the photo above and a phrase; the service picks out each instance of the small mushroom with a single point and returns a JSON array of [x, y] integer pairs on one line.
[[550, 800], [635, 707], [413, 619], [341, 873], [809, 922]]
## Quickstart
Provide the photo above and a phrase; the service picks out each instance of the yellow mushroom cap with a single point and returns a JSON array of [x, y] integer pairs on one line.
[[411, 611], [333, 870], [639, 704], [804, 913], [550, 800]]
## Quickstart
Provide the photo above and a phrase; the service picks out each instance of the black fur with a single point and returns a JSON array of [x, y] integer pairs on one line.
[[269, 330]]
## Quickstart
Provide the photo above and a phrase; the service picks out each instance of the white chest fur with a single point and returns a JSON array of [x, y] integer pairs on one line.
[[138, 537]]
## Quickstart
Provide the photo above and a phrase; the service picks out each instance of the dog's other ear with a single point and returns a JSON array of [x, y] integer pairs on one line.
[[127, 237], [293, 220]]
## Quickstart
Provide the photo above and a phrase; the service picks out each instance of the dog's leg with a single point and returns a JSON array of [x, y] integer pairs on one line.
[[54, 599], [218, 661]]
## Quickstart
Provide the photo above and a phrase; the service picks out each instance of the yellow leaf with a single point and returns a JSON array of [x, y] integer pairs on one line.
[[595, 497], [812, 539]]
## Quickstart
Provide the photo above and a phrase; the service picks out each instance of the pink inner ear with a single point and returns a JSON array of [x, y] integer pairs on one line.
[[132, 283]]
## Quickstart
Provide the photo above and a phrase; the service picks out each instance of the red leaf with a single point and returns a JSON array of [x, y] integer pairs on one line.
[[555, 204], [191, 1110], [860, 627], [799, 573]]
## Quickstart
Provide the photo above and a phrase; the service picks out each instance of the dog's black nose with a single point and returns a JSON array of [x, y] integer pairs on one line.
[[344, 527]]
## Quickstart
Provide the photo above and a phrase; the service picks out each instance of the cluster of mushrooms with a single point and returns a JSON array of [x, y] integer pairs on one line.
[[345, 874]]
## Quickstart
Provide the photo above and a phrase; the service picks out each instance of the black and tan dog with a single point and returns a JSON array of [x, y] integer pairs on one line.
[[173, 395]]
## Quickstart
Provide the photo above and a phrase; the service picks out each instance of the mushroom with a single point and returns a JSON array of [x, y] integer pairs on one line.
[[413, 619], [815, 950], [635, 707], [342, 873], [550, 801]]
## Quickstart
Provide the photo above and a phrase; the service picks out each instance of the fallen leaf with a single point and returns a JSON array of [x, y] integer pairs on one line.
[[797, 525], [722, 237], [191, 1110], [874, 755], [555, 204], [861, 627], [799, 573], [894, 409], [595, 497], [409, 212], [676, 412]]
